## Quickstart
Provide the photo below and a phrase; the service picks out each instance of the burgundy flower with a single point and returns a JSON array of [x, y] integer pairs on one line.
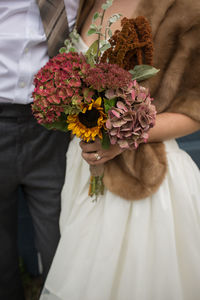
[[57, 84], [107, 76]]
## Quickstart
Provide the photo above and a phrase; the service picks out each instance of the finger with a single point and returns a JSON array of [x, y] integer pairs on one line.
[[89, 156], [90, 147]]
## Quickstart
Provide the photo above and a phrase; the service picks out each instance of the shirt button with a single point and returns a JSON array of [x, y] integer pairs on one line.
[[26, 50], [22, 84], [32, 31]]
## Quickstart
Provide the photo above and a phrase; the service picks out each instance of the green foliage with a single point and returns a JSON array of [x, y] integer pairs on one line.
[[109, 31], [62, 50], [70, 110], [104, 46], [143, 72], [105, 141], [108, 104], [114, 18], [91, 52], [102, 43], [96, 16], [91, 31], [61, 125], [70, 43], [74, 36], [106, 5]]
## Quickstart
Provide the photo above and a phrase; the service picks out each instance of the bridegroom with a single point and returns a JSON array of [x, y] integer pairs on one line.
[[30, 31]]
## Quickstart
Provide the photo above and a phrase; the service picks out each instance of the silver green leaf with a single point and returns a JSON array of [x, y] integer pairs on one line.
[[93, 26], [67, 42], [71, 42], [114, 18], [74, 36], [91, 31], [91, 53], [105, 46], [109, 32], [107, 4], [96, 16], [143, 72]]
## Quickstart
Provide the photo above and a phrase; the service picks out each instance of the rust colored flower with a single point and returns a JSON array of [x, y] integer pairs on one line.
[[132, 45]]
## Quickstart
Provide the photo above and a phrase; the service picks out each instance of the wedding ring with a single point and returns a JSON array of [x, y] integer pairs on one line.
[[97, 156]]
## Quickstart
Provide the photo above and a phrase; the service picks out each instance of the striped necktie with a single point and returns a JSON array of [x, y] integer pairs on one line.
[[55, 23]]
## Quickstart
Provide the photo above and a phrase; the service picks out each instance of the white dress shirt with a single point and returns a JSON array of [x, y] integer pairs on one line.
[[23, 47]]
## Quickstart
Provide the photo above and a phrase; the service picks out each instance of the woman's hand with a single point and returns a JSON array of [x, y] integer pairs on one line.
[[94, 154]]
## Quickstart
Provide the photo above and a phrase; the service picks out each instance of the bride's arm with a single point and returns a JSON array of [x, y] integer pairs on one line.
[[168, 126], [172, 125]]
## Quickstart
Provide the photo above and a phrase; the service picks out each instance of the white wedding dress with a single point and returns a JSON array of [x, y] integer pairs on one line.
[[115, 249]]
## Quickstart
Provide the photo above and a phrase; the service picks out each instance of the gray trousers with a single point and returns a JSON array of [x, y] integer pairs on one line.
[[34, 158]]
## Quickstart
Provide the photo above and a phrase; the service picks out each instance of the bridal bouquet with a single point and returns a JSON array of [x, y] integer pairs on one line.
[[97, 94]]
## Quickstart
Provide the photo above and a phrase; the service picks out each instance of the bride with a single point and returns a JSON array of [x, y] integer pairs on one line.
[[141, 239]]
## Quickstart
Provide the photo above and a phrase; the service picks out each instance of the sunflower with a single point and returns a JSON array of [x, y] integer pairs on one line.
[[89, 122]]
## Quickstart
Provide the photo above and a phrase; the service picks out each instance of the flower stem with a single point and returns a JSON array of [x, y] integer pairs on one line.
[[99, 35]]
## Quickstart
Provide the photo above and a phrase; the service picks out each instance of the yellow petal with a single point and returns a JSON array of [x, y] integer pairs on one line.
[[90, 106], [98, 101]]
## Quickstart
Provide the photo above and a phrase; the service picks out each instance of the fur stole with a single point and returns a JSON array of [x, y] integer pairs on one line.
[[176, 88]]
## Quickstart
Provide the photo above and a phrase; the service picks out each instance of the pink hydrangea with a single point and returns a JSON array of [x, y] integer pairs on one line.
[[57, 85], [130, 120]]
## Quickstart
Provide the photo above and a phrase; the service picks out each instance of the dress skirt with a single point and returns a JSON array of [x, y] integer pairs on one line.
[[114, 249]]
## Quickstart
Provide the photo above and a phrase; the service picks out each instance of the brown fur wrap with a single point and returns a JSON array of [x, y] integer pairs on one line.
[[176, 88]]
